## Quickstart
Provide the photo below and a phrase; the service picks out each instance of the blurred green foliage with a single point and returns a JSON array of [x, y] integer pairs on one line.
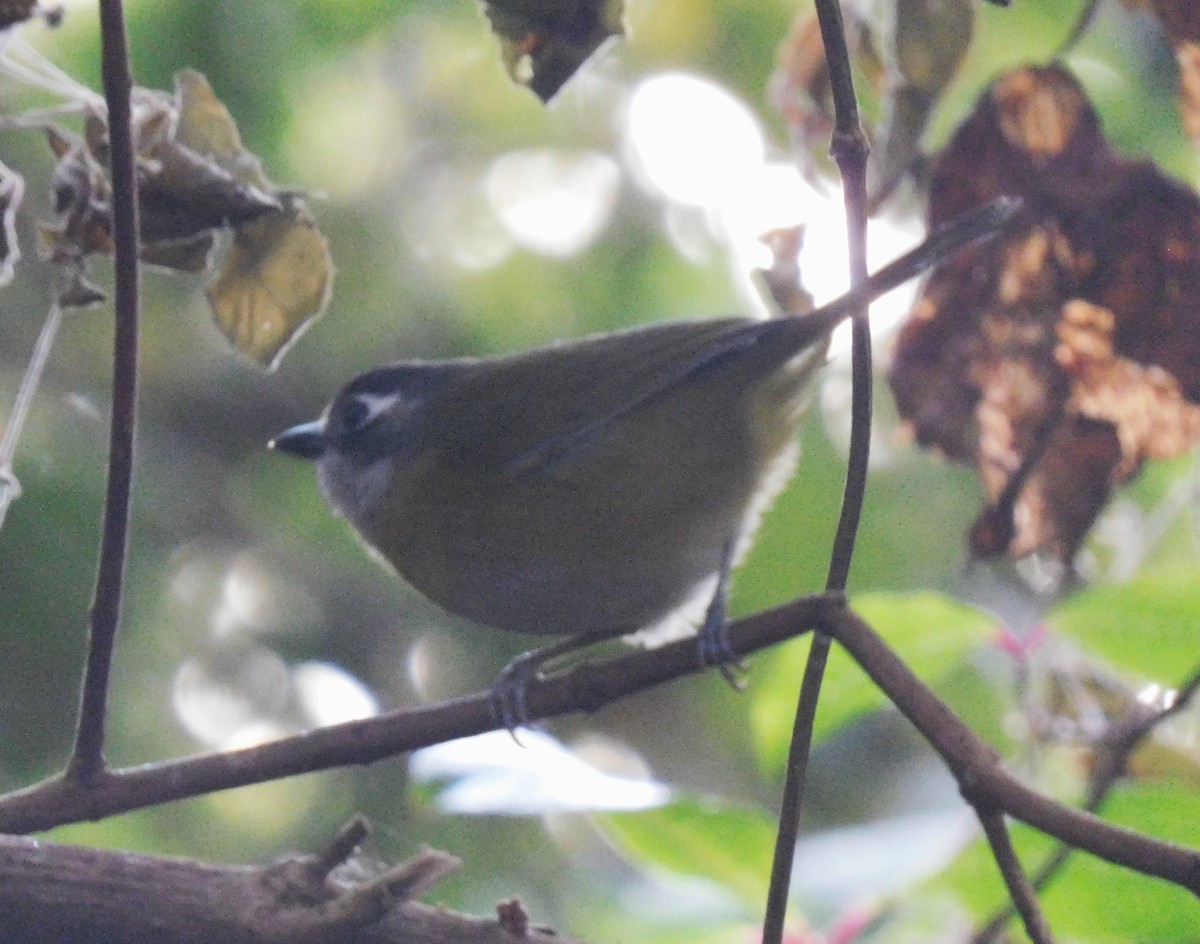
[[389, 116]]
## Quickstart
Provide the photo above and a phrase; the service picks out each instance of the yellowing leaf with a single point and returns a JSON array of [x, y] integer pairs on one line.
[[206, 127], [195, 181], [274, 281]]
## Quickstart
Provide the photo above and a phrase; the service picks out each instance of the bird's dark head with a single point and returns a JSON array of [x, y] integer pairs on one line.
[[372, 426]]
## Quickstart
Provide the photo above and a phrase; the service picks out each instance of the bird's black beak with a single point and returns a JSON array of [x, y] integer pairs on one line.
[[306, 440]]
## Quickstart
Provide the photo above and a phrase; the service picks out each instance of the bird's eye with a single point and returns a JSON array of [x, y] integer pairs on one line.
[[361, 410], [355, 415]]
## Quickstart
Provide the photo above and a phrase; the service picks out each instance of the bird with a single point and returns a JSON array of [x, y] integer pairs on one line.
[[592, 487]]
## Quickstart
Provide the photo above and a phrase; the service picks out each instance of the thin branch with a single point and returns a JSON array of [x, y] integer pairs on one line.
[[792, 799], [850, 149], [851, 156], [982, 778], [87, 762], [1020, 889], [586, 687], [987, 785], [1120, 741]]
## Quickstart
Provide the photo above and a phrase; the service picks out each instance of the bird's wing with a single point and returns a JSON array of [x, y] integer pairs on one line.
[[663, 357]]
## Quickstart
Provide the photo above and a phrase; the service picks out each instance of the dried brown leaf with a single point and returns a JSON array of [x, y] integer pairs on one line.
[[1060, 358], [799, 87], [1144, 403], [206, 127]]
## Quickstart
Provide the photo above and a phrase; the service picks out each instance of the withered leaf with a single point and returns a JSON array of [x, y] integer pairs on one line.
[[545, 42], [184, 193], [781, 282], [81, 195], [1143, 402], [194, 174], [187, 254], [922, 52], [799, 87], [195, 181], [1061, 357], [205, 126], [274, 280]]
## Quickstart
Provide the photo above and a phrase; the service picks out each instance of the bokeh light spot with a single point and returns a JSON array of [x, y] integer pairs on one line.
[[553, 202]]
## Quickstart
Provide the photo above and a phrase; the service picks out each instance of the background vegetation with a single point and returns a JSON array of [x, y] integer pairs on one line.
[[251, 611]]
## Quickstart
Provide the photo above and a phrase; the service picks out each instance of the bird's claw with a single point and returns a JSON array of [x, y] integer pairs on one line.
[[713, 650], [509, 692]]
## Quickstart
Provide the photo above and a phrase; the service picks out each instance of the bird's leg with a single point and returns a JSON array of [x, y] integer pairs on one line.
[[712, 649], [509, 689], [712, 641]]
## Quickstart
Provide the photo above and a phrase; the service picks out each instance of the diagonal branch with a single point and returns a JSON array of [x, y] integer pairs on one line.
[[988, 786], [586, 687], [1120, 741], [1020, 889], [984, 781]]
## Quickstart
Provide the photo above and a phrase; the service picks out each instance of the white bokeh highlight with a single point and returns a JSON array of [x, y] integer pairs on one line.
[[494, 774]]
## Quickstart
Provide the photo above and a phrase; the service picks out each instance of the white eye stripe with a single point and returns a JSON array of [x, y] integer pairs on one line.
[[375, 404]]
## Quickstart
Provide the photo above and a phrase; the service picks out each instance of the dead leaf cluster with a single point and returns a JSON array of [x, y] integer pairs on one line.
[[1060, 358], [196, 182]]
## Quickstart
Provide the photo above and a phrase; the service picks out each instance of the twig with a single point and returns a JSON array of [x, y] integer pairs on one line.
[[87, 761], [339, 849], [987, 785], [849, 147], [1120, 741], [1020, 889]]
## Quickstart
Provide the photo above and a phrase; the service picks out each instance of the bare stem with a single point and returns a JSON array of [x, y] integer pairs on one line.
[[1020, 889], [586, 687], [849, 147], [1112, 756], [982, 778], [87, 762]]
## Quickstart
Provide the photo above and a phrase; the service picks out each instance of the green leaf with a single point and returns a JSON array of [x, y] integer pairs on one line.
[[1149, 626], [694, 836], [932, 633]]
